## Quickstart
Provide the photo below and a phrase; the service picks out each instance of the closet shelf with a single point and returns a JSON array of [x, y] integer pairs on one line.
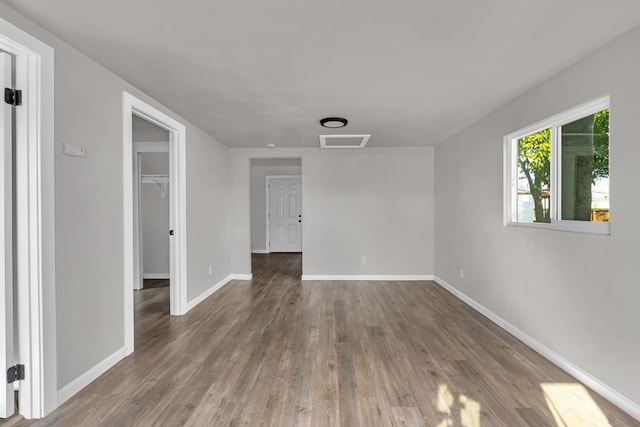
[[161, 180]]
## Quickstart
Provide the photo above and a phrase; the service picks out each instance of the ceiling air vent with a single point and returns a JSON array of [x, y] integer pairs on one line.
[[343, 141]]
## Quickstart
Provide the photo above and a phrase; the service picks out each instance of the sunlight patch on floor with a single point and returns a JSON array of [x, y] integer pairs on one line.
[[572, 405], [470, 412], [445, 399], [468, 409]]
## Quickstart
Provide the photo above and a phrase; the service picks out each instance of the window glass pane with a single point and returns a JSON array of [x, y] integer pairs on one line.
[[534, 167], [585, 168]]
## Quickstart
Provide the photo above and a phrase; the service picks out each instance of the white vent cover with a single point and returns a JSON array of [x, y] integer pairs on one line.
[[344, 141]]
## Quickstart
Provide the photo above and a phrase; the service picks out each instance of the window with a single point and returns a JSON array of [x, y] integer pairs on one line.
[[558, 171]]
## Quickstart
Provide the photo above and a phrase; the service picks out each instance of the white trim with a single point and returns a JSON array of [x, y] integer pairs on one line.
[[206, 294], [178, 245], [7, 353], [587, 227], [509, 204], [259, 251], [68, 391], [151, 146], [555, 176], [267, 196], [369, 277], [363, 140], [156, 276], [35, 198], [138, 247], [615, 397]]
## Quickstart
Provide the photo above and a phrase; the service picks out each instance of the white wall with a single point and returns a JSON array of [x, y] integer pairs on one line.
[[375, 202], [89, 206], [575, 293], [260, 168], [144, 131], [207, 208], [154, 212]]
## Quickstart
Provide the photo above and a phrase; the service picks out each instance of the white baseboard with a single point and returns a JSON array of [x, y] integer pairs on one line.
[[206, 294], [68, 391], [398, 277], [259, 251], [615, 397], [156, 276]]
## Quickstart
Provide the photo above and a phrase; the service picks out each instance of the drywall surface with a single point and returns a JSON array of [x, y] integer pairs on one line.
[[260, 168], [154, 214], [144, 131], [207, 207], [89, 206], [376, 202], [575, 293]]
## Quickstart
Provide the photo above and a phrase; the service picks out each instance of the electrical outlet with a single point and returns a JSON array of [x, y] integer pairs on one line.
[[461, 273], [210, 270], [363, 259]]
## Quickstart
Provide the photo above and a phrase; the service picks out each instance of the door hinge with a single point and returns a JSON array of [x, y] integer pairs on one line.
[[12, 96], [15, 373], [170, 232]]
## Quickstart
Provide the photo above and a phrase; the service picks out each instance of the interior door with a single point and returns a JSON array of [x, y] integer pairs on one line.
[[285, 215], [6, 248]]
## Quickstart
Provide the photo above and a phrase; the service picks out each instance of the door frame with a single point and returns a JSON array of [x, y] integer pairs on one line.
[[7, 330], [177, 201], [267, 181], [138, 244], [35, 204]]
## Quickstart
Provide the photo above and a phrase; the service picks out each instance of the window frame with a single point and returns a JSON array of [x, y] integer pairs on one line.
[[555, 185]]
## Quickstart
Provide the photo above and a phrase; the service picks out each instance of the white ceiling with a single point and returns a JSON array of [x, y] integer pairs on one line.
[[410, 72]]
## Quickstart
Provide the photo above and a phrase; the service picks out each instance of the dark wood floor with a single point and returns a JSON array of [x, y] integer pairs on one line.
[[281, 352], [155, 283]]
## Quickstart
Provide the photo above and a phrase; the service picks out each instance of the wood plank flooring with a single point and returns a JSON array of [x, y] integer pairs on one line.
[[276, 351], [155, 283]]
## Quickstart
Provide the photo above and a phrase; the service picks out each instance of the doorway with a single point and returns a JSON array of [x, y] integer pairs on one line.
[[175, 191], [151, 204], [28, 207], [154, 196], [287, 226]]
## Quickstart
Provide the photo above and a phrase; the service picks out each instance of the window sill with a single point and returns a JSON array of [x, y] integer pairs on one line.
[[601, 228]]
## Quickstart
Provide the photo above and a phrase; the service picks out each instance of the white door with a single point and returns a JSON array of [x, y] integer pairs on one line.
[[6, 249], [285, 215]]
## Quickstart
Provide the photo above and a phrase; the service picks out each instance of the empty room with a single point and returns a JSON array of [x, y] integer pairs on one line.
[[320, 213]]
